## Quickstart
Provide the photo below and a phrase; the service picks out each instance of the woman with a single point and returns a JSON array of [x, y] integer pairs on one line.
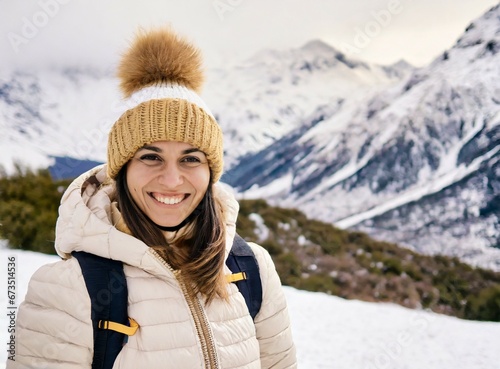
[[156, 206]]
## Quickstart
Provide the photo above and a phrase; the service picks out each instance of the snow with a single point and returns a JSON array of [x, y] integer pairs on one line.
[[47, 114], [26, 156], [261, 231], [414, 194], [277, 187], [334, 333]]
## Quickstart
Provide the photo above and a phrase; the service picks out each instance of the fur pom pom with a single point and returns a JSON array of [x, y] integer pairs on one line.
[[160, 56]]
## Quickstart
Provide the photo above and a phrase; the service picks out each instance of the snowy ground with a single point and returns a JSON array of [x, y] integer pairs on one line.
[[334, 333]]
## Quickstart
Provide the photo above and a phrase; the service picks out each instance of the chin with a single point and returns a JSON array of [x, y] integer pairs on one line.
[[168, 224], [162, 222]]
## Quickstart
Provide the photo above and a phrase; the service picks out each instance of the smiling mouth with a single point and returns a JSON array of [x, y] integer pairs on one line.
[[168, 200]]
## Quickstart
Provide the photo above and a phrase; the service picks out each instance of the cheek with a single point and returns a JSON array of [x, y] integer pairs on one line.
[[204, 180], [201, 182], [133, 182]]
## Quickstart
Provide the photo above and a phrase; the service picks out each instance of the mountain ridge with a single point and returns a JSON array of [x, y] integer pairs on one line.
[[425, 135]]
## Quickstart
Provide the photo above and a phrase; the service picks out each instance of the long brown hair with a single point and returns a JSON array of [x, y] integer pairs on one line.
[[199, 253]]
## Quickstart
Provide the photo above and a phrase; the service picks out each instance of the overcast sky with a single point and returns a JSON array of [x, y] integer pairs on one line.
[[43, 33]]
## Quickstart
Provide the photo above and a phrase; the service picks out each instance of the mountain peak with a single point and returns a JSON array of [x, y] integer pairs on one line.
[[318, 46], [483, 30], [399, 69], [319, 52]]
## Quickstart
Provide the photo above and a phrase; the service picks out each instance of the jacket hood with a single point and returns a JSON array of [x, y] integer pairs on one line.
[[85, 220]]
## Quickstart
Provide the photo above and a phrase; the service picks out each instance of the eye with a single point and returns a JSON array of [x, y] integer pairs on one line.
[[150, 159], [191, 161]]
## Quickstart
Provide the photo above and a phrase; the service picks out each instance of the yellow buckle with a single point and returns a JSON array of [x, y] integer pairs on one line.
[[121, 328], [236, 277]]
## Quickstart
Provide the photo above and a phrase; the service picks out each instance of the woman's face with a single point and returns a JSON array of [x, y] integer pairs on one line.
[[167, 180]]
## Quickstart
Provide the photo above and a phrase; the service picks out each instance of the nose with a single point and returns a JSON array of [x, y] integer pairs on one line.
[[170, 175]]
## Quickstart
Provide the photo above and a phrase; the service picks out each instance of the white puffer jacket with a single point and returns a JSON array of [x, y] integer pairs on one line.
[[54, 329]]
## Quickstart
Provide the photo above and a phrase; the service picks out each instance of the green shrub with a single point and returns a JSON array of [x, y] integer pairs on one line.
[[289, 269], [392, 266], [248, 207], [485, 306], [331, 240], [367, 269], [274, 216], [413, 271], [273, 247], [453, 287], [28, 212], [246, 227], [319, 283]]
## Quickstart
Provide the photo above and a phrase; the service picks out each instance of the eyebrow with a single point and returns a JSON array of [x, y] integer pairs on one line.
[[158, 150]]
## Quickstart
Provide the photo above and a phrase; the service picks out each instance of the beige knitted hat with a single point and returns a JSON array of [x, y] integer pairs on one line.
[[160, 78]]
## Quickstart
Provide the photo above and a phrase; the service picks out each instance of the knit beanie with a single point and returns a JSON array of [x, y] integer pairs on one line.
[[160, 77]]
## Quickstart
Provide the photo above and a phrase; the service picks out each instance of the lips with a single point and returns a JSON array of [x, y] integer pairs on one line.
[[168, 199]]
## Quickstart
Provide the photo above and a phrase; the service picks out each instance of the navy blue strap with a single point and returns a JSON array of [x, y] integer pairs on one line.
[[242, 259], [108, 293]]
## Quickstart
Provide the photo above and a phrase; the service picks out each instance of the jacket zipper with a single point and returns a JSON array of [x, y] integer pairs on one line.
[[203, 330], [202, 327]]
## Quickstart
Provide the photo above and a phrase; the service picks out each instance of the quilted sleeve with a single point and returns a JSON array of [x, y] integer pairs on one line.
[[53, 327], [272, 323]]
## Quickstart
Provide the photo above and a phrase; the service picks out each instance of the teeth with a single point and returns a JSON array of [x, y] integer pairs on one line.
[[169, 200]]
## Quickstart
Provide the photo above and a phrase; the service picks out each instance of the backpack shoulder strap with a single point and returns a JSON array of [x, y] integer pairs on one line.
[[241, 259], [107, 287]]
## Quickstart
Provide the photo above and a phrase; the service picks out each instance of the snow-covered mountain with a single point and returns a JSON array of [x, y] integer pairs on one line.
[[55, 113], [273, 93], [408, 155], [416, 164], [69, 112]]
